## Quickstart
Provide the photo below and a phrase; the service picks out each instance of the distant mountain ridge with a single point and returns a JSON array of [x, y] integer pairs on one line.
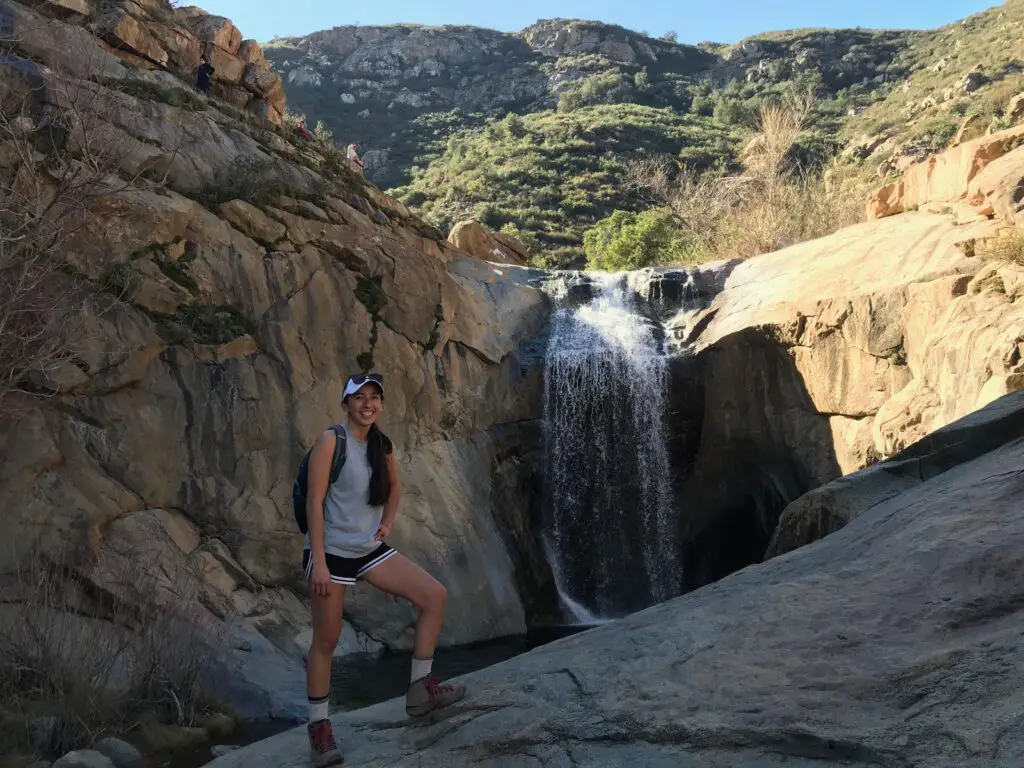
[[369, 84], [404, 93]]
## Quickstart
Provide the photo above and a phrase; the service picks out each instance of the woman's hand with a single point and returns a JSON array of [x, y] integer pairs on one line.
[[382, 532], [320, 579]]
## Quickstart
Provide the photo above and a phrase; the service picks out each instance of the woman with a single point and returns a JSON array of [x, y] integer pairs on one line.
[[353, 158], [348, 524]]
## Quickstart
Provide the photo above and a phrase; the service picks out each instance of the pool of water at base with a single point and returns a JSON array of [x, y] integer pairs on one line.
[[360, 681]]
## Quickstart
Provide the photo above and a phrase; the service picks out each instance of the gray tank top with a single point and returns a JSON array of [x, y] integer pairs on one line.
[[349, 520]]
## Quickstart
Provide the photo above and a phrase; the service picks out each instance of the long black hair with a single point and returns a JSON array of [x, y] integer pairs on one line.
[[378, 446]]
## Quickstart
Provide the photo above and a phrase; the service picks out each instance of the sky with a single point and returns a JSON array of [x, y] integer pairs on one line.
[[693, 21]]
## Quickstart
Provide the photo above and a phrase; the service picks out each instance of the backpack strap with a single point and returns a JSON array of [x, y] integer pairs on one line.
[[340, 448]]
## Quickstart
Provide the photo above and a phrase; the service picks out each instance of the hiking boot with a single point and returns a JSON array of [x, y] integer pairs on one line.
[[428, 693], [323, 748]]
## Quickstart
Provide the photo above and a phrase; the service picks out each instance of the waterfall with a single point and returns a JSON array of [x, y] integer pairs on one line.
[[609, 528]]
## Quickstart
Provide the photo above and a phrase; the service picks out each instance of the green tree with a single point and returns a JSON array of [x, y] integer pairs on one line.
[[570, 100], [730, 112], [514, 126], [629, 240]]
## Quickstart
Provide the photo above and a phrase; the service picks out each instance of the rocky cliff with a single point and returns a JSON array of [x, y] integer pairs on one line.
[[824, 358], [149, 36], [229, 275]]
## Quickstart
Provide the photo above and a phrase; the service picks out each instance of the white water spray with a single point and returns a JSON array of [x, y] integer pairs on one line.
[[610, 532]]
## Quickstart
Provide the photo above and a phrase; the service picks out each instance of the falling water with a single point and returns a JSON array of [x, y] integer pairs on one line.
[[609, 531]]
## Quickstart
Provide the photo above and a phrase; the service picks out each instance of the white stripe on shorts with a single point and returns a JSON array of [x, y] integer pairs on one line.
[[377, 561]]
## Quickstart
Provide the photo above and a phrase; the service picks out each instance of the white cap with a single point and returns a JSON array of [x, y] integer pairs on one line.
[[355, 383]]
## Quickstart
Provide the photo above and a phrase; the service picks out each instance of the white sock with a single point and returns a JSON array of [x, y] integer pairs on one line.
[[420, 668], [318, 709]]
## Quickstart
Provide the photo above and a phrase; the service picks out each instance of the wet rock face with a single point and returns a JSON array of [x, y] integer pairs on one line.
[[736, 464]]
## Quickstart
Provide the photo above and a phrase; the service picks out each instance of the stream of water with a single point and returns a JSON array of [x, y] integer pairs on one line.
[[609, 527]]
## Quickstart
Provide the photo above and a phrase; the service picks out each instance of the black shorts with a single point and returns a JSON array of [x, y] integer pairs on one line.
[[348, 570]]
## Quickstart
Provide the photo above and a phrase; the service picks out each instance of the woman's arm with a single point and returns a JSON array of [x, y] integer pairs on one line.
[[316, 491]]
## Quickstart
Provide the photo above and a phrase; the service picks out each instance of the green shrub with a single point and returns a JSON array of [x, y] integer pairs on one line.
[[629, 240], [323, 133], [552, 175]]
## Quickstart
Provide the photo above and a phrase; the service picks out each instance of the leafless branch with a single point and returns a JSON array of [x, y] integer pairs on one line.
[[61, 157], [767, 206]]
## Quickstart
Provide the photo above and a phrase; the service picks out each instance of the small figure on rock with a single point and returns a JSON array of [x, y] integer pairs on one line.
[[353, 159], [204, 75], [346, 499], [304, 131]]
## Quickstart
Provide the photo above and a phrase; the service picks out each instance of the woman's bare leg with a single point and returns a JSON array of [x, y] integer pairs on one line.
[[401, 577], [326, 632]]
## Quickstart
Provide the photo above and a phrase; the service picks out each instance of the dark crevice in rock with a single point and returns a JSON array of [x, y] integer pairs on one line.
[[745, 441], [190, 491], [788, 743]]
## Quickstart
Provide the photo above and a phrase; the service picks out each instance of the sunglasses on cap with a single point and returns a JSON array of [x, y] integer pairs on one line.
[[354, 383]]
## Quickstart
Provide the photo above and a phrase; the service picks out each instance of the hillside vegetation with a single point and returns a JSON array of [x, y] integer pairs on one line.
[[548, 176], [429, 108]]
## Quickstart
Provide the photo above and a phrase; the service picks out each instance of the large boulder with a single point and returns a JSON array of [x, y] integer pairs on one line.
[[945, 180], [481, 243], [123, 31], [895, 641], [218, 30], [84, 758], [827, 509]]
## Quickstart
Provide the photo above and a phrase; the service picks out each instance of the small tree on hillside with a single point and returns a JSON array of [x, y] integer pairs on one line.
[[627, 240], [323, 133]]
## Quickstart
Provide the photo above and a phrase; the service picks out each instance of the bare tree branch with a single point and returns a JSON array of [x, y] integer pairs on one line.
[[61, 157], [768, 206]]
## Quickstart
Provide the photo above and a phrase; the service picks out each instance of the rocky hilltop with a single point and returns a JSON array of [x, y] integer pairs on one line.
[[398, 91], [427, 107]]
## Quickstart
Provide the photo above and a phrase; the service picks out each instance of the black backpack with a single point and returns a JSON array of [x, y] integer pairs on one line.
[[300, 488]]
